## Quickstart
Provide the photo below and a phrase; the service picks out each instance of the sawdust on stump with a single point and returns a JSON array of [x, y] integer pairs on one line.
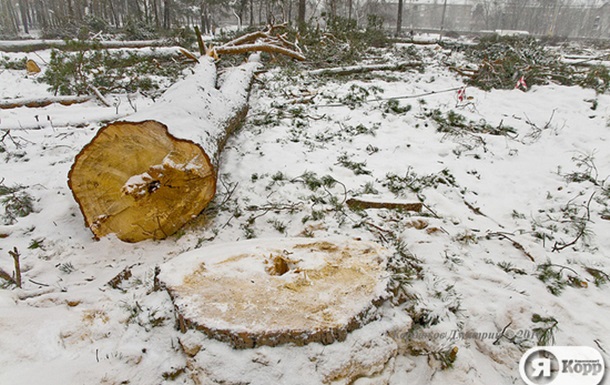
[[272, 292]]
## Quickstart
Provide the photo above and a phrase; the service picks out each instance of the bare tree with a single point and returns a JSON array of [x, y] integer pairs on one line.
[[301, 15], [23, 10], [399, 17], [167, 14]]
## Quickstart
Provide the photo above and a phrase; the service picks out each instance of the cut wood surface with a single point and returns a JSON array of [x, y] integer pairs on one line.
[[362, 203], [277, 291], [365, 68], [146, 176]]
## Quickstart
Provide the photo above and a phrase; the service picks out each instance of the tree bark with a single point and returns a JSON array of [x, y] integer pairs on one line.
[[362, 204], [166, 14], [6, 104], [399, 18], [301, 15], [145, 177], [364, 68], [23, 10]]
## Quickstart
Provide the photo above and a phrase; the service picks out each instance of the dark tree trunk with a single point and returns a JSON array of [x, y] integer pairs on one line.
[[399, 18], [251, 12], [23, 10], [8, 14], [41, 14], [167, 14], [70, 10], [155, 7], [115, 19], [301, 15], [350, 6]]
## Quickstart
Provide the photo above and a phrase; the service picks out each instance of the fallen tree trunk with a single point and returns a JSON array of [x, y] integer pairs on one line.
[[6, 104], [145, 177], [38, 45], [365, 68]]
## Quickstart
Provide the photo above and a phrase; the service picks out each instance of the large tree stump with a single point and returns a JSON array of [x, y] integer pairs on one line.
[[145, 177], [276, 291]]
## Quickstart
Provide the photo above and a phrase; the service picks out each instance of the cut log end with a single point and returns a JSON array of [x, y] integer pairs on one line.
[[136, 180], [277, 291]]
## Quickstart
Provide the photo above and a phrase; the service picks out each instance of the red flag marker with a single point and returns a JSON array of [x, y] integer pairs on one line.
[[461, 94], [521, 83]]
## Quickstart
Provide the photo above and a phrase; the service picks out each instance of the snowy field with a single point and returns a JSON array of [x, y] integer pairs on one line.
[[511, 250]]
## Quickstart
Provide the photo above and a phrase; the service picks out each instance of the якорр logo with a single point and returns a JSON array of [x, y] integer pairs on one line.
[[562, 365]]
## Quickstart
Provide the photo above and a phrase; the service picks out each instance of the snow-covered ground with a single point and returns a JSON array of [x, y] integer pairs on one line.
[[501, 212]]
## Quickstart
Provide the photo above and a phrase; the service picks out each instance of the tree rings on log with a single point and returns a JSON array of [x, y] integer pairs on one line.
[[136, 180], [277, 291]]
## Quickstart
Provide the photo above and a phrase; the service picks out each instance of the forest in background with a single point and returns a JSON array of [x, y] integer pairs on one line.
[[147, 19]]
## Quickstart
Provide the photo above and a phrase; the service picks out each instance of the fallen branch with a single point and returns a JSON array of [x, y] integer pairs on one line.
[[516, 244], [413, 96], [99, 96], [364, 68], [362, 204], [258, 47], [558, 246], [6, 104], [7, 277], [247, 38], [477, 211], [124, 275], [467, 72], [259, 41], [39, 45]]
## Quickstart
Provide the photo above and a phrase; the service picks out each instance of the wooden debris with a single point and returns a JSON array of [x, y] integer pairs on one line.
[[362, 204], [42, 102], [32, 67], [258, 47], [124, 275], [365, 68], [260, 41], [38, 45], [515, 244]]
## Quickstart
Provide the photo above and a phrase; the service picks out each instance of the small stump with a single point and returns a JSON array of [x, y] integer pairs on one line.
[[276, 291]]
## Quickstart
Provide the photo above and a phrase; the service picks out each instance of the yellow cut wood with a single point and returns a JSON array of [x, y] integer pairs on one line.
[[32, 67], [137, 181]]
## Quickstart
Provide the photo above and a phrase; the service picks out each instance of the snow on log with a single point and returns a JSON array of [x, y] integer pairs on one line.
[[277, 291], [145, 177], [364, 68], [38, 45], [258, 47], [6, 104]]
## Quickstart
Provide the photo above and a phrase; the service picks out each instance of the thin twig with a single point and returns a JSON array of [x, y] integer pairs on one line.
[[397, 97], [38, 283], [6, 276], [502, 334], [558, 247], [15, 254], [516, 244], [562, 267]]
